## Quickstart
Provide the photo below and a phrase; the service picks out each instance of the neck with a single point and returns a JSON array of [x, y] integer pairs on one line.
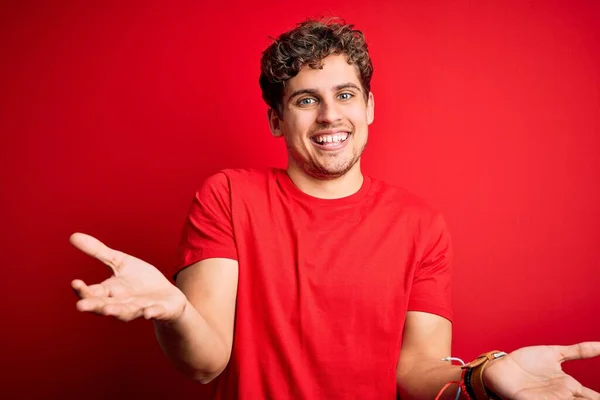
[[344, 186]]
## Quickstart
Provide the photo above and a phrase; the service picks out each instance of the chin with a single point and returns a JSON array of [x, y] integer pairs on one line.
[[328, 173]]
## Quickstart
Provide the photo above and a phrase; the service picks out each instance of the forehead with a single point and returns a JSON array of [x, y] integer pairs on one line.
[[335, 71]]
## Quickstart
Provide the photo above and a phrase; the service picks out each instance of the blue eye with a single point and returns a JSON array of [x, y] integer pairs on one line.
[[306, 101], [345, 96]]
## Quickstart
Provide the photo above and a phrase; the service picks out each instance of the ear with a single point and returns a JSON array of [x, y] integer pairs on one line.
[[370, 108], [274, 123]]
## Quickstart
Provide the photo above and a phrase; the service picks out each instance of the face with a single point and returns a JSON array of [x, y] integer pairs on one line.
[[325, 119]]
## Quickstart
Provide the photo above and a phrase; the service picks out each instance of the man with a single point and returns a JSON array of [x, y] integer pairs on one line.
[[317, 281]]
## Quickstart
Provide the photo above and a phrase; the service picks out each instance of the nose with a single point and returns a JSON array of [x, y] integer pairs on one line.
[[329, 113]]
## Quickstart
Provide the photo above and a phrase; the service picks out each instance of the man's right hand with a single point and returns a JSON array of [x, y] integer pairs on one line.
[[136, 289]]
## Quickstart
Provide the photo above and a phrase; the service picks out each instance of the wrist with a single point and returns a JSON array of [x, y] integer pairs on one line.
[[180, 313], [477, 380], [486, 375]]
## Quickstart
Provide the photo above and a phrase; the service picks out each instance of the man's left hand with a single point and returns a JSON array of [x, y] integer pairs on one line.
[[535, 373]]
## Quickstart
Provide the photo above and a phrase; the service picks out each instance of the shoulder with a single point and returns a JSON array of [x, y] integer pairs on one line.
[[403, 206], [239, 181], [399, 197], [239, 177], [249, 175]]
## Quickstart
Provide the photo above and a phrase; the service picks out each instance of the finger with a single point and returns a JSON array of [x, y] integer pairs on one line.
[[97, 304], [124, 312], [91, 304], [587, 394], [154, 311], [82, 290], [578, 351], [79, 287], [95, 248], [132, 310], [99, 290]]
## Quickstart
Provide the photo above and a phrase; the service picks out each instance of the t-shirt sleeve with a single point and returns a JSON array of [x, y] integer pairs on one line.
[[208, 229], [431, 289]]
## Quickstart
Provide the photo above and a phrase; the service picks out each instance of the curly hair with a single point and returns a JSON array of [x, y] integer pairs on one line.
[[308, 44]]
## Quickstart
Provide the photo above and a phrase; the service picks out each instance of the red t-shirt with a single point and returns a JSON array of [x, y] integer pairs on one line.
[[324, 285]]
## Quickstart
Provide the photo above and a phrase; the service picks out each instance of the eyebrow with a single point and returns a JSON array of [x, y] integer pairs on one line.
[[347, 85]]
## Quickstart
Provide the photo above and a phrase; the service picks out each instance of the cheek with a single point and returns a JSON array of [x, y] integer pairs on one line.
[[298, 126], [362, 116], [357, 115]]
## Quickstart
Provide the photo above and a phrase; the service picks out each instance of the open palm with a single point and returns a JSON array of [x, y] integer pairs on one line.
[[535, 373], [136, 289]]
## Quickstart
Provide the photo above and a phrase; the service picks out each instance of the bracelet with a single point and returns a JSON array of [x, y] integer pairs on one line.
[[461, 384], [471, 383], [473, 376], [467, 382]]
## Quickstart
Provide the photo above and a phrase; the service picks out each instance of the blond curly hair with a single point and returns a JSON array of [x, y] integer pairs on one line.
[[308, 44]]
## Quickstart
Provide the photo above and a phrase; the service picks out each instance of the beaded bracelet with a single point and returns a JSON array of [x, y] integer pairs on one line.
[[471, 383]]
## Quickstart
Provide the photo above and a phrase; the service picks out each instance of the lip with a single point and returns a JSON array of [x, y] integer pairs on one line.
[[331, 147], [330, 132]]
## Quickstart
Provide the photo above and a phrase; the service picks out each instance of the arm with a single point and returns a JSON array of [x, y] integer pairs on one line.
[[194, 322], [199, 341], [427, 337], [529, 372], [420, 372], [526, 372]]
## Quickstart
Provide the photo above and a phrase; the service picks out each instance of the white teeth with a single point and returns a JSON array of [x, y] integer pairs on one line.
[[338, 137]]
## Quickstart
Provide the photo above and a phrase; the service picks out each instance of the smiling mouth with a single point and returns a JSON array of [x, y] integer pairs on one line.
[[330, 139]]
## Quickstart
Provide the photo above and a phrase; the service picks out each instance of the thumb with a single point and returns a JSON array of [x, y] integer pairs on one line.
[[578, 351], [95, 248], [154, 311]]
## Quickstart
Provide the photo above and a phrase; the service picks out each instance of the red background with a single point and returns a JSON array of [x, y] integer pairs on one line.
[[112, 114]]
